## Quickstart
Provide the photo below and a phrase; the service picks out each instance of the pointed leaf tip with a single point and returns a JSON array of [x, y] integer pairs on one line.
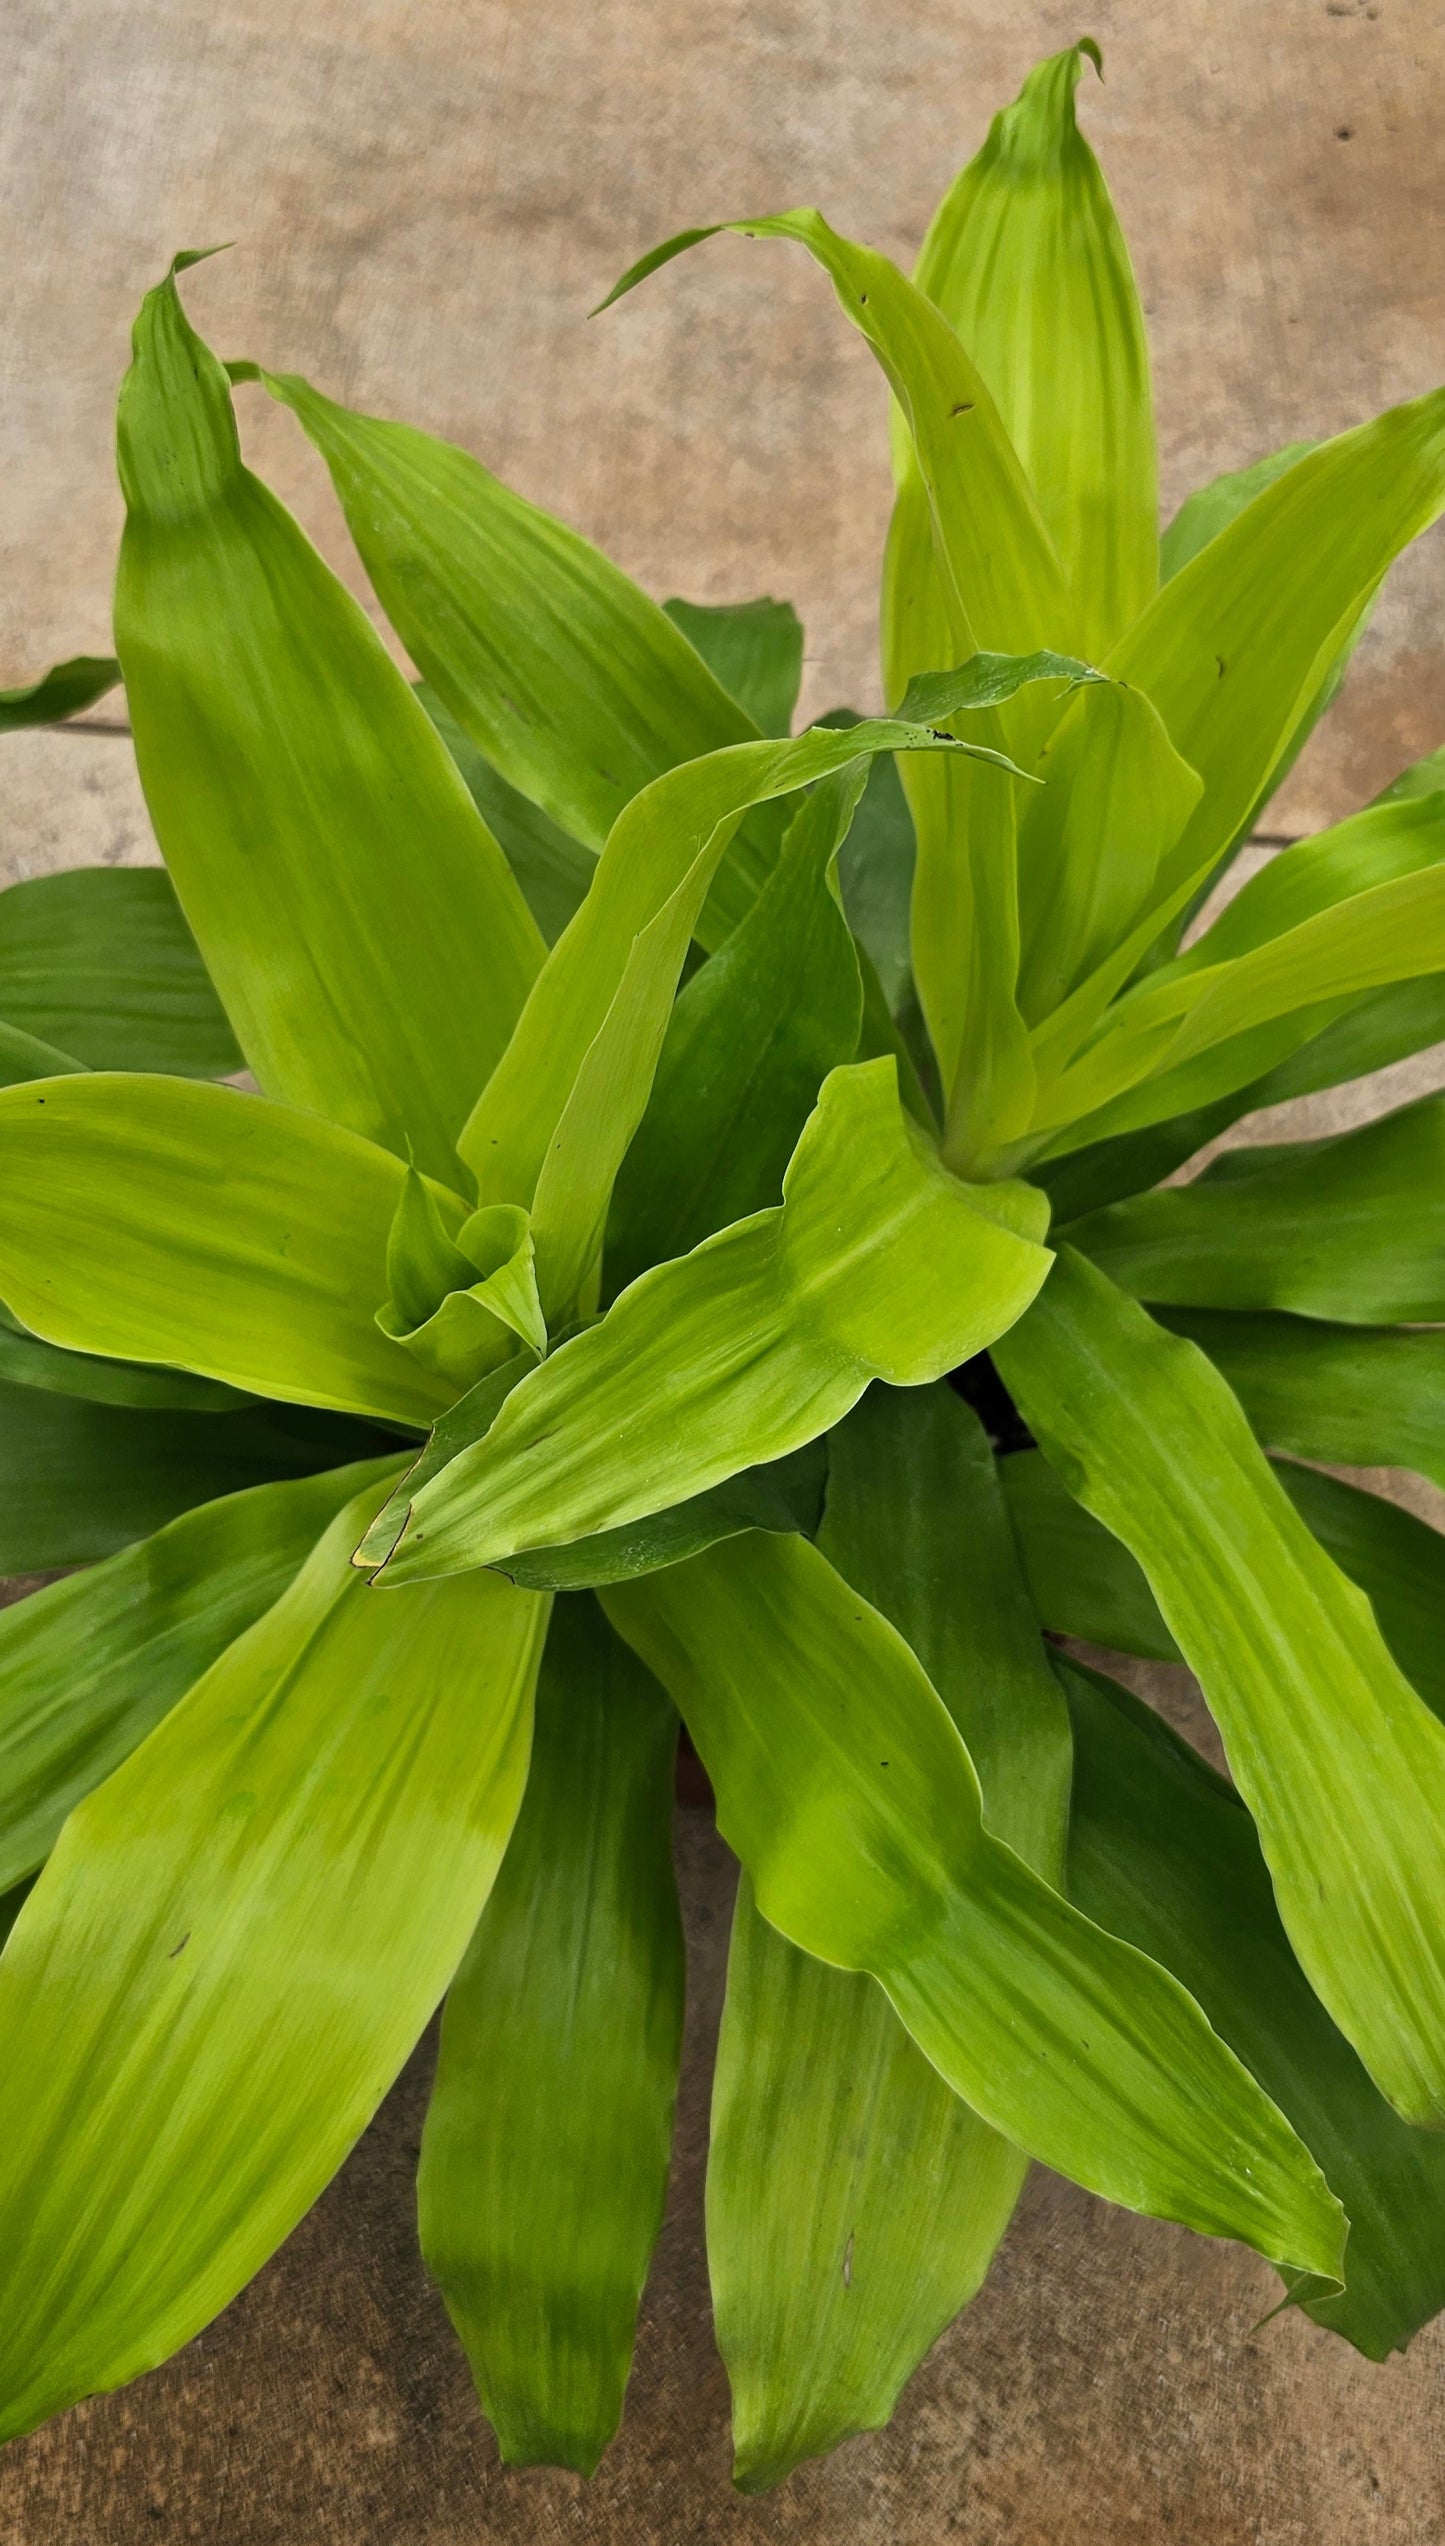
[[655, 257]]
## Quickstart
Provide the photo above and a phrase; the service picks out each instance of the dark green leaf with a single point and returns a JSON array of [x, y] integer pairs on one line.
[[80, 1479], [1162, 1853], [62, 691], [100, 961], [752, 1037], [875, 870], [544, 2159], [27, 1363], [1365, 1397], [1351, 1228], [553, 869], [754, 649], [1082, 1578]]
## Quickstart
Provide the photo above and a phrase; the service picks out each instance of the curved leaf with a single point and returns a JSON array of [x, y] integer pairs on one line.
[[89, 1666], [845, 1789], [750, 1040], [592, 1028], [231, 1951], [1341, 1764], [877, 1264], [545, 2154], [1351, 1228], [161, 1220], [1366, 1397], [576, 686], [1235, 648], [1026, 260], [100, 961], [1161, 1852], [854, 2201], [337, 875], [62, 691]]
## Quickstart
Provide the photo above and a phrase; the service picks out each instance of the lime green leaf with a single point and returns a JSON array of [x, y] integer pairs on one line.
[[875, 870], [292, 779], [1367, 1398], [544, 2159], [230, 1953], [750, 1040], [1213, 1017], [464, 1421], [652, 877], [100, 961], [450, 1322], [786, 1494], [754, 649], [878, 1264], [1094, 842], [1211, 509], [845, 1789], [89, 1666], [1423, 778], [854, 2202], [1339, 1761], [1001, 587], [1082, 1580], [1397, 1560], [1377, 846], [1005, 586], [62, 691], [1025, 257], [1161, 1852], [80, 1479], [1236, 647], [161, 1220], [1351, 1228], [576, 686], [553, 869]]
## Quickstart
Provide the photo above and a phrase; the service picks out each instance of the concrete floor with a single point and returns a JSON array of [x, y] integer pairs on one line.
[[427, 195]]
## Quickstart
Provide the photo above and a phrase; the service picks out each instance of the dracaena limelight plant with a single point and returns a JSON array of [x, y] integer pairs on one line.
[[549, 1351]]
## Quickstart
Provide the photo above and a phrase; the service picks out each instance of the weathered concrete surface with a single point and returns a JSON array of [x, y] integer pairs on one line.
[[428, 194]]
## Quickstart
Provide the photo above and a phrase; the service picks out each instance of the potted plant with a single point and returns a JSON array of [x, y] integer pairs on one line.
[[702, 1248]]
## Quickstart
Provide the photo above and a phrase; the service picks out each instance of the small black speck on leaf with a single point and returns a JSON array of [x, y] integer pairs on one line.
[[179, 1949], [1219, 659], [964, 407]]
